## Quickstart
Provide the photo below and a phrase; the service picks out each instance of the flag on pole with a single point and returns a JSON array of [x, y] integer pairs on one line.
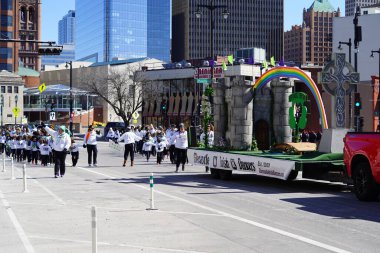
[[265, 64], [272, 61], [231, 59], [224, 66], [42, 87]]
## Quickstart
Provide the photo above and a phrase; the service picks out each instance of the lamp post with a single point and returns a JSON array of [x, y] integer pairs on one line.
[[70, 63], [211, 7], [2, 105], [377, 102], [16, 100], [349, 44]]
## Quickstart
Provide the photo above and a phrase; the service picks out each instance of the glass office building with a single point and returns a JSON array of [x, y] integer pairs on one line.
[[66, 28], [122, 28]]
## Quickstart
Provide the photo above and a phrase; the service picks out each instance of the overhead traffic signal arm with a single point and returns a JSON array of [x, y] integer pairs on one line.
[[46, 48], [50, 50]]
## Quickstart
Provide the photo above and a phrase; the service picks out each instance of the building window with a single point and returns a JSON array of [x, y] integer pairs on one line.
[[5, 52], [9, 89], [15, 89], [6, 66], [6, 35], [6, 4], [6, 20], [2, 89], [31, 14], [23, 14]]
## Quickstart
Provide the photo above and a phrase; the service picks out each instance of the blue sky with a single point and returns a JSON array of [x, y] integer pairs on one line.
[[54, 10]]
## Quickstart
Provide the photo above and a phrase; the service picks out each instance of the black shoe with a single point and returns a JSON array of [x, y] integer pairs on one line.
[[56, 176]]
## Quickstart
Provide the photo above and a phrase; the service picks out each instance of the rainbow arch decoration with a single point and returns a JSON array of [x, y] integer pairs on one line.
[[292, 72]]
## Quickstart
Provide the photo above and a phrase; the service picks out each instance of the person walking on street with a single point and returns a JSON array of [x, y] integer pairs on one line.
[[110, 134], [160, 147], [45, 151], [74, 153], [129, 138], [91, 144], [61, 144], [171, 142], [181, 145]]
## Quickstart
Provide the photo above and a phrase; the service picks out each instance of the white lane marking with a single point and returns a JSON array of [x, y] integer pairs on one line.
[[190, 213], [116, 244], [20, 231], [238, 218], [45, 189], [49, 192]]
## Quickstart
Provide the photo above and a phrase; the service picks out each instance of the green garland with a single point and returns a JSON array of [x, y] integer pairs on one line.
[[206, 109]]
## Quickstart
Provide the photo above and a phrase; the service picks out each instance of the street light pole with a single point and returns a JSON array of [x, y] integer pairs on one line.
[[378, 95], [349, 44], [71, 95], [211, 8]]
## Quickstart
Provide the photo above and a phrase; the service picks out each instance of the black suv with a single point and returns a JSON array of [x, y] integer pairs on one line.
[[115, 125]]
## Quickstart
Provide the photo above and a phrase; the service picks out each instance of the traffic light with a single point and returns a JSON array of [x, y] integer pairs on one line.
[[164, 106], [50, 50], [361, 124], [357, 104]]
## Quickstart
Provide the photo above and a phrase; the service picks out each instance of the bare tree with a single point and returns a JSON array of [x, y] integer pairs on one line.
[[123, 89]]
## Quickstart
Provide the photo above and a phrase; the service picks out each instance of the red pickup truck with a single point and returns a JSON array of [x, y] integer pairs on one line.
[[362, 160]]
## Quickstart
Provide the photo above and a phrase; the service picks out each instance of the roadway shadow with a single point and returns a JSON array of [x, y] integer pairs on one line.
[[242, 182], [339, 208]]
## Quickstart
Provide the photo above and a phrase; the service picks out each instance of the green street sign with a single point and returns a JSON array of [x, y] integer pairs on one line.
[[203, 80]]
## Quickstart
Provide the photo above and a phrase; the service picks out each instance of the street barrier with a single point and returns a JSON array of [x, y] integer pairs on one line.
[[12, 170], [4, 159], [151, 183], [24, 177], [94, 230]]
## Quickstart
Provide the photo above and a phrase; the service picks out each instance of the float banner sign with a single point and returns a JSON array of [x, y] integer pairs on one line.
[[260, 166]]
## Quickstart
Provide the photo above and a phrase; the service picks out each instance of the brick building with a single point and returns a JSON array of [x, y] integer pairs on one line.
[[311, 43], [20, 19]]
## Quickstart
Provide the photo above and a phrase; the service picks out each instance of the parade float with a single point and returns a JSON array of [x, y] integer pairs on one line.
[[235, 118]]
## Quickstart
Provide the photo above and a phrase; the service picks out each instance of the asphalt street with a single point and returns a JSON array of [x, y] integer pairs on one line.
[[195, 212]]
